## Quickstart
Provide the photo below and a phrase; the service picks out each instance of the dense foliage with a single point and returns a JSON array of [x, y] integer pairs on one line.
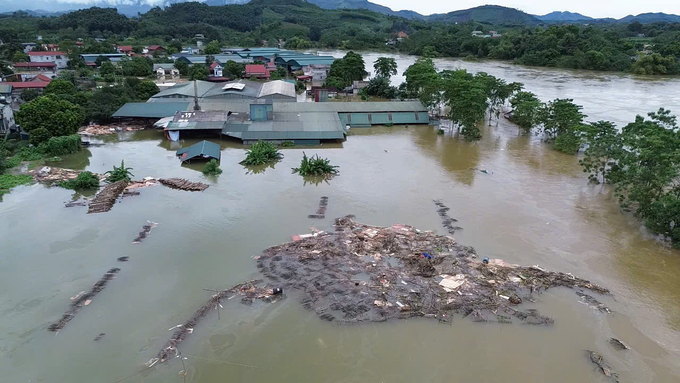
[[315, 166], [212, 168], [51, 113], [59, 146], [85, 180], [119, 173], [262, 152], [346, 70]]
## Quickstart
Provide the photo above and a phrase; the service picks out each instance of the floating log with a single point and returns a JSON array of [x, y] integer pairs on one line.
[[105, 199], [83, 299], [182, 184]]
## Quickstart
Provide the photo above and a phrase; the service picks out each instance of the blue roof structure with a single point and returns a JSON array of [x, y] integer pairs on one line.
[[202, 150]]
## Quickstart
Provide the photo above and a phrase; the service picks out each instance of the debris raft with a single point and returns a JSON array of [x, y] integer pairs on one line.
[[604, 368], [53, 175], [182, 184], [447, 221], [321, 211], [106, 198], [146, 229], [83, 299], [369, 273], [248, 291]]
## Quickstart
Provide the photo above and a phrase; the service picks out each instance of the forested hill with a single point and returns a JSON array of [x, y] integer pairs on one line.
[[492, 14]]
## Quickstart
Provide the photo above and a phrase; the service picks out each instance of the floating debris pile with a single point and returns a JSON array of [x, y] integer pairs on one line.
[[83, 299], [248, 291], [106, 198], [369, 273], [321, 211], [447, 221], [604, 368], [182, 184], [146, 229], [53, 175]]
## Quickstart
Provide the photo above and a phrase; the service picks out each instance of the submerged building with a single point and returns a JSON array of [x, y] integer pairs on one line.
[[251, 111]]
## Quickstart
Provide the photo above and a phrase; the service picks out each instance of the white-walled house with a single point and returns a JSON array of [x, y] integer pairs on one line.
[[58, 58]]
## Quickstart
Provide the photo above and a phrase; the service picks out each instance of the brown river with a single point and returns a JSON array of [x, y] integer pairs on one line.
[[533, 207]]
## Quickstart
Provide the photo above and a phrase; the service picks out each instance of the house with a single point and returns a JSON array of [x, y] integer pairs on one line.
[[6, 116], [126, 49], [257, 71], [28, 70], [192, 50], [38, 82], [317, 72], [477, 33], [51, 47], [80, 44], [494, 34], [199, 37], [357, 86], [28, 46], [154, 49], [401, 36], [216, 69], [204, 150], [59, 58], [163, 70], [91, 58]]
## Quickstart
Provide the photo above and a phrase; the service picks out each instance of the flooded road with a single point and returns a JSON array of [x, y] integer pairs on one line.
[[535, 207]]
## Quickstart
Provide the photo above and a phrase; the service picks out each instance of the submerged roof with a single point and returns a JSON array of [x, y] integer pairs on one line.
[[289, 126], [203, 149], [151, 109], [351, 107]]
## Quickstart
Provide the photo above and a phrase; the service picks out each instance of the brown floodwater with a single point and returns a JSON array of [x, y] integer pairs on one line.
[[534, 207]]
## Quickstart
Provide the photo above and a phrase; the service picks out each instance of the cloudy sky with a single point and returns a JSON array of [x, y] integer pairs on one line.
[[593, 8]]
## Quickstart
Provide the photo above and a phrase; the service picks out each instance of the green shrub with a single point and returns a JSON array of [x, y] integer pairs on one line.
[[315, 166], [85, 180], [287, 144], [119, 173], [440, 131], [8, 181], [58, 146], [261, 153], [212, 168], [38, 136]]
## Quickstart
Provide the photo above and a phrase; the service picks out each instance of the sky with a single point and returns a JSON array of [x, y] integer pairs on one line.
[[592, 8]]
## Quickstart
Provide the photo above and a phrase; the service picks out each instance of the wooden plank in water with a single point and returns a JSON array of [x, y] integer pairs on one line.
[[105, 199]]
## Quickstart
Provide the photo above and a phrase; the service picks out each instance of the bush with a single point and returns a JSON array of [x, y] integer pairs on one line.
[[212, 168], [85, 180], [315, 166], [261, 153], [38, 136], [287, 144], [8, 181], [119, 173], [58, 146]]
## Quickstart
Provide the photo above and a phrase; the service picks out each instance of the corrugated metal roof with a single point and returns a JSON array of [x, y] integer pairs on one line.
[[303, 61], [277, 87], [5, 88], [197, 125], [203, 149], [151, 109], [350, 107], [187, 89], [251, 89], [164, 66], [290, 126], [222, 59]]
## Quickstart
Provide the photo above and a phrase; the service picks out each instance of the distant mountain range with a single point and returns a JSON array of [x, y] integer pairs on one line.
[[492, 14]]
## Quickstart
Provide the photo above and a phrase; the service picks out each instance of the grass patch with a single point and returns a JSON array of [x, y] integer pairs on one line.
[[212, 168], [85, 180], [261, 153], [315, 166], [9, 181]]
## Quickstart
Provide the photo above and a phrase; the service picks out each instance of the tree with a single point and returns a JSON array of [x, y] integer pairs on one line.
[[30, 94], [423, 82], [59, 117], [198, 72], [429, 52], [604, 145], [213, 48], [655, 64], [100, 60], [106, 100], [278, 74], [525, 107], [60, 87], [346, 70], [182, 66], [137, 66], [145, 89], [380, 87], [385, 67], [497, 92], [176, 44], [20, 57], [466, 96], [233, 69], [560, 116], [107, 69], [314, 33]]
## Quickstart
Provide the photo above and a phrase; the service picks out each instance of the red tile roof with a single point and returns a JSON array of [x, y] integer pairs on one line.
[[28, 84], [33, 53], [256, 69], [402, 34], [125, 48], [214, 65], [35, 65], [155, 48], [41, 77]]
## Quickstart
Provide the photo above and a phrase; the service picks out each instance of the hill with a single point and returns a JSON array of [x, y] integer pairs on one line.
[[562, 17], [492, 14], [364, 4], [645, 18]]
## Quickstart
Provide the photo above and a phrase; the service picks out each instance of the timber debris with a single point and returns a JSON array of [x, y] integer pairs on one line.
[[321, 211], [604, 368], [182, 184], [83, 299], [369, 273], [447, 221], [146, 229], [249, 291], [106, 198], [53, 175]]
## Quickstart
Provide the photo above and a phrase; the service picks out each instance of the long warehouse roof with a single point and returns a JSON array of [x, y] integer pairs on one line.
[[151, 109]]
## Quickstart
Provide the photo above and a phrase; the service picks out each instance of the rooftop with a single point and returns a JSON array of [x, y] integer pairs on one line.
[[151, 109], [35, 65], [34, 53], [277, 87], [203, 149]]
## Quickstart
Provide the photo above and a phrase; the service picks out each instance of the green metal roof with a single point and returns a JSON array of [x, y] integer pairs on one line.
[[197, 125], [350, 107], [151, 109], [203, 149]]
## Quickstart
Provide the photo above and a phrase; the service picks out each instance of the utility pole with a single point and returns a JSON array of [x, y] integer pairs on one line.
[[196, 106]]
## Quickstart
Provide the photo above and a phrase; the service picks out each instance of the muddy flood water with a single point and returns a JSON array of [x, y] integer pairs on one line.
[[533, 206]]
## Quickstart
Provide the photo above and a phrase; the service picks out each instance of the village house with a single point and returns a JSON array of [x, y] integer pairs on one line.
[[316, 72], [163, 70], [151, 49], [58, 58], [28, 46], [6, 115], [38, 82], [477, 33], [401, 36], [216, 69], [51, 47], [27, 71], [125, 49], [257, 71]]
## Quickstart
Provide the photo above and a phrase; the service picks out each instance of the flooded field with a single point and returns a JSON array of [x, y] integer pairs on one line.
[[533, 206]]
